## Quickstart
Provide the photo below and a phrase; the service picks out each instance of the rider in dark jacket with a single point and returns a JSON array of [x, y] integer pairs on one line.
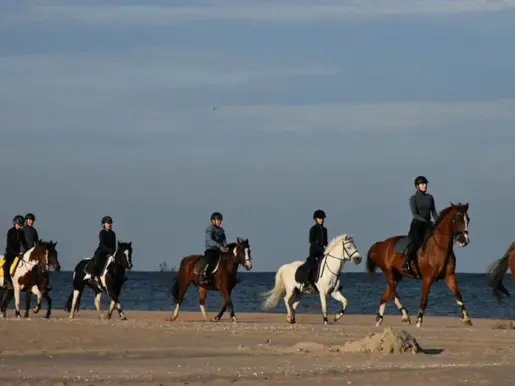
[[317, 245], [106, 247], [422, 205], [215, 243], [31, 234], [15, 245]]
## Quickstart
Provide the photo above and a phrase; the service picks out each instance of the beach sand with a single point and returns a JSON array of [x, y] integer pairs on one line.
[[261, 349]]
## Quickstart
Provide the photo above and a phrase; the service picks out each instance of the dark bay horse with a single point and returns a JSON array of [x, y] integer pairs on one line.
[[30, 275], [497, 270], [223, 277], [112, 277], [436, 260]]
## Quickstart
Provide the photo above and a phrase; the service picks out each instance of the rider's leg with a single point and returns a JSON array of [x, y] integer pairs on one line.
[[416, 234], [8, 282], [210, 255]]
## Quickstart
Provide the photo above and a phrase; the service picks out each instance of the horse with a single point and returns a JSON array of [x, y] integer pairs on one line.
[[222, 277], [497, 270], [29, 273], [435, 260], [339, 250], [113, 276]]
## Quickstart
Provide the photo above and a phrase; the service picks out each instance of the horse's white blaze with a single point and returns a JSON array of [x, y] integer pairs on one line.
[[248, 263], [467, 239], [339, 250]]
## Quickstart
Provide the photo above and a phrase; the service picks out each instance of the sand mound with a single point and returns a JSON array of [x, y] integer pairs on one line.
[[390, 341], [307, 347]]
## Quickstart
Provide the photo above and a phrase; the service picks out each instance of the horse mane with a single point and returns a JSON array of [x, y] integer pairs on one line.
[[445, 211], [337, 239]]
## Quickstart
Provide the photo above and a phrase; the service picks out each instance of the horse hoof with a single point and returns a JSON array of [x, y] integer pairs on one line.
[[511, 325], [123, 317], [172, 319], [215, 319], [36, 309], [108, 317], [467, 322], [234, 319], [290, 320], [406, 320], [338, 316]]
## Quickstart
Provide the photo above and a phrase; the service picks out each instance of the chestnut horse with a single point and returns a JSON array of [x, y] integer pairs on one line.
[[222, 277], [436, 260], [497, 270]]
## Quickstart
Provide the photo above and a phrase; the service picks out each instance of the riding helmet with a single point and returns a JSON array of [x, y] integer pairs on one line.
[[217, 216], [107, 219], [319, 213], [30, 216], [18, 219], [421, 180]]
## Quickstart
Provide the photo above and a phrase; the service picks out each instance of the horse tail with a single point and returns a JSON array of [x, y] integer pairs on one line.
[[273, 296], [496, 272], [177, 282], [371, 263]]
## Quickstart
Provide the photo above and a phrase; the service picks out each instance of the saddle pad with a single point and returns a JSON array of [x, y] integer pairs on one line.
[[402, 245], [13, 265]]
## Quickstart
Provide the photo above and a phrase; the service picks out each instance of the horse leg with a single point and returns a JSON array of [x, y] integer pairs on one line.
[[290, 315], [451, 282], [202, 295], [426, 286], [4, 303], [231, 306], [181, 291], [296, 300], [396, 298], [28, 298], [39, 296], [226, 294], [338, 296], [77, 293], [98, 296], [17, 295], [323, 304], [382, 305]]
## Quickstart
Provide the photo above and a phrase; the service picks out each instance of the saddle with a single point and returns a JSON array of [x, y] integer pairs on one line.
[[198, 269], [13, 265], [308, 272]]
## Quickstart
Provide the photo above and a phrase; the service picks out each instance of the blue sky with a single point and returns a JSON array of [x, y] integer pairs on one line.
[[106, 107]]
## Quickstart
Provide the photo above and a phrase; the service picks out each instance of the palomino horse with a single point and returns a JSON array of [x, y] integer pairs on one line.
[[223, 277], [436, 260], [497, 270], [30, 274], [339, 250], [113, 277]]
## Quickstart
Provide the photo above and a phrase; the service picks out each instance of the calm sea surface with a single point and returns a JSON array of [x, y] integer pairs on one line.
[[151, 291]]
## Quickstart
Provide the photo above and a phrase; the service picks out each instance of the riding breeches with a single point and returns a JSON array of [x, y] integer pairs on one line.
[[417, 233], [211, 256]]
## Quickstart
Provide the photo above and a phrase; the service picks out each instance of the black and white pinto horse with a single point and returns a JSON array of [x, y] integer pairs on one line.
[[112, 278]]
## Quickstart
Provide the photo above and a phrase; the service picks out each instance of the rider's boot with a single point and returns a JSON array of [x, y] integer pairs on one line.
[[204, 277]]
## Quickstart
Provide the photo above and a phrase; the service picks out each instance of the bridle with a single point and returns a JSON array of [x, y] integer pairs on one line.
[[345, 251]]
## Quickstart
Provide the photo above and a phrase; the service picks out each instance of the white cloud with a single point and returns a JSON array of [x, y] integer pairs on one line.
[[246, 10]]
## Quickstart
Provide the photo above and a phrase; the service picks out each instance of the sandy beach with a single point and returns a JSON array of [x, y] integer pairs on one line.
[[261, 349]]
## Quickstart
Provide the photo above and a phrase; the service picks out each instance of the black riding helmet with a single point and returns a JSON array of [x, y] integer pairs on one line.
[[30, 216], [217, 215], [421, 180], [18, 219], [319, 213], [107, 220]]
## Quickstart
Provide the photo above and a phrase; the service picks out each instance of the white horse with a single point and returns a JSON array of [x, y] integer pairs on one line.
[[339, 250]]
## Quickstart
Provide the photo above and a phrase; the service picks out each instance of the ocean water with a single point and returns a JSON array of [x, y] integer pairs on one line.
[[152, 291]]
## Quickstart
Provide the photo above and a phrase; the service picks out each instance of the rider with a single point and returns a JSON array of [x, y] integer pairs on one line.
[[215, 242], [317, 244], [15, 243], [422, 206], [106, 247], [31, 234]]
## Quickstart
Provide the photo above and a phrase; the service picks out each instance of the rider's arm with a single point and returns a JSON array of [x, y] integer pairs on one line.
[[210, 241], [36, 237], [11, 239], [224, 240], [23, 241], [102, 242], [433, 210], [414, 211]]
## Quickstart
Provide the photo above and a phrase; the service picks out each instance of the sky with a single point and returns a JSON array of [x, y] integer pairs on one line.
[[106, 108]]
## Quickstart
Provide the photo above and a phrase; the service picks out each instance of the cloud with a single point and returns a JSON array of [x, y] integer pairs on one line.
[[295, 11]]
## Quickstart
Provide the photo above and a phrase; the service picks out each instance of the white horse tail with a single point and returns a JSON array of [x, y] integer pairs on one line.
[[274, 295]]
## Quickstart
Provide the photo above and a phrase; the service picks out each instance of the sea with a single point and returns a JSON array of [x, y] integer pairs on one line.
[[152, 291]]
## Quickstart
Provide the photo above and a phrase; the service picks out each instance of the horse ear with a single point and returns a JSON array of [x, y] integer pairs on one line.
[[238, 240], [130, 243]]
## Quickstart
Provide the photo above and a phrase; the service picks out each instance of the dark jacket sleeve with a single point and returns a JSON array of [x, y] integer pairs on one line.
[[23, 241], [313, 241], [36, 237], [11, 239], [325, 238], [433, 209]]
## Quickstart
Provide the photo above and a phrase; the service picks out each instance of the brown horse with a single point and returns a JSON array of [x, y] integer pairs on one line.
[[30, 274], [497, 270], [222, 280], [436, 260]]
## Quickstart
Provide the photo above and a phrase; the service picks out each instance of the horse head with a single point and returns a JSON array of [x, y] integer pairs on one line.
[[343, 246], [123, 255], [241, 251], [46, 254], [457, 218]]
